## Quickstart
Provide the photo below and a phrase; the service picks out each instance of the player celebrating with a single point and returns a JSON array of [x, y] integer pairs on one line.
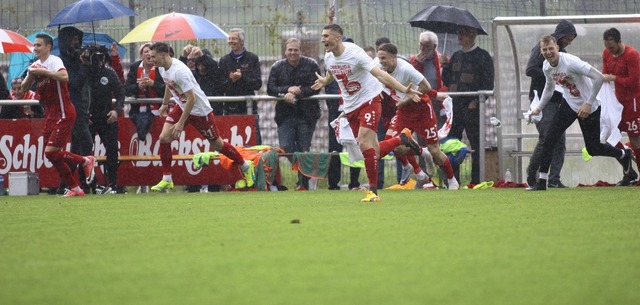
[[51, 79], [359, 80], [194, 108], [419, 117]]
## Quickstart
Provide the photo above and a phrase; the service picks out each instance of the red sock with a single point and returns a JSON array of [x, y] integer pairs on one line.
[[414, 162], [71, 157], [371, 166], [231, 152], [57, 159], [166, 156], [387, 146], [446, 167]]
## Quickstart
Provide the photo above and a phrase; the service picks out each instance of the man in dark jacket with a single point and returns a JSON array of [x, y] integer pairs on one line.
[[242, 76], [105, 85], [469, 69], [564, 34], [291, 78], [210, 78], [242, 71], [70, 46]]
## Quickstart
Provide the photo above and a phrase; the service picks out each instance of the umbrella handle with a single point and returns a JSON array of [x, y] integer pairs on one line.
[[444, 48]]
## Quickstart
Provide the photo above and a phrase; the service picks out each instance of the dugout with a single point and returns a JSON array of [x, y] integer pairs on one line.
[[513, 38]]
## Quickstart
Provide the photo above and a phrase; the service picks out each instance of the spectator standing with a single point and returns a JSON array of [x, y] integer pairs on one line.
[[470, 69], [70, 45], [564, 34], [291, 78], [192, 108], [359, 80], [621, 65], [50, 77], [427, 62], [210, 78], [243, 76], [105, 85], [580, 83]]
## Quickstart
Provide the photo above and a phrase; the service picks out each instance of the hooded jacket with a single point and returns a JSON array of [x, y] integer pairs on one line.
[[534, 66], [77, 72]]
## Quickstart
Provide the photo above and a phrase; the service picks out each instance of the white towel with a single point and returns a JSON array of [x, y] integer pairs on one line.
[[345, 137], [610, 115], [447, 106]]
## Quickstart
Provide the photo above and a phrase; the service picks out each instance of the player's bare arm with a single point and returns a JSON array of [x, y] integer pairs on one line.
[[321, 82], [389, 81], [178, 127], [165, 102]]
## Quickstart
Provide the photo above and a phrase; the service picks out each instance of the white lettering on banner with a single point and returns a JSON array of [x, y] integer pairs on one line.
[[236, 139], [22, 156]]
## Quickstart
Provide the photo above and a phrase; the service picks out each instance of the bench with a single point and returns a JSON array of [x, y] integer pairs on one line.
[[146, 158]]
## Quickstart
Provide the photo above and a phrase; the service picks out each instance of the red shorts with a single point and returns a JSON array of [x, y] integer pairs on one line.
[[426, 126], [204, 124], [57, 131], [631, 117], [367, 116]]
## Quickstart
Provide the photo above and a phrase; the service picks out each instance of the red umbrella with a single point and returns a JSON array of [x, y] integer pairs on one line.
[[13, 42]]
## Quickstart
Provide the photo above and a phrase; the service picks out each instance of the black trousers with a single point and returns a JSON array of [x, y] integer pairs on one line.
[[109, 136], [590, 132]]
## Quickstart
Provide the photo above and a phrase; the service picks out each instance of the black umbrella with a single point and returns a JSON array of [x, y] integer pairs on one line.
[[445, 19]]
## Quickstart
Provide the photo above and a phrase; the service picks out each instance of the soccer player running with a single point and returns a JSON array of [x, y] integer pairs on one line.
[[51, 79], [621, 65], [419, 117], [194, 109], [580, 102], [359, 79]]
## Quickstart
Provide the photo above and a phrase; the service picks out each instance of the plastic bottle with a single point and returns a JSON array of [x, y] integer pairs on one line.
[[507, 175], [1, 185]]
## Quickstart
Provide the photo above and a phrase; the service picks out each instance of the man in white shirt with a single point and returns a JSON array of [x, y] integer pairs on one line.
[[420, 117], [359, 80], [580, 102], [193, 108]]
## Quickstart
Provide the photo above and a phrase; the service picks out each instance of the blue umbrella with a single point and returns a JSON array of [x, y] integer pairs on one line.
[[90, 39], [89, 11], [19, 62]]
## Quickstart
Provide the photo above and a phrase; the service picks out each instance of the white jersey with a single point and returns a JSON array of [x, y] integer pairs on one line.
[[352, 72], [179, 79], [571, 74], [404, 73]]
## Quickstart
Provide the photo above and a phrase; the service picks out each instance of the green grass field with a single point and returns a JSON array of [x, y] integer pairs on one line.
[[501, 246]]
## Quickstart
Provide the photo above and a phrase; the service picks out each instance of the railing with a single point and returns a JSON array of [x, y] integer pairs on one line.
[[249, 98]]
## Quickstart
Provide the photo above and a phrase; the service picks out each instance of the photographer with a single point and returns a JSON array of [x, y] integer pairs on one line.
[[70, 45], [105, 85]]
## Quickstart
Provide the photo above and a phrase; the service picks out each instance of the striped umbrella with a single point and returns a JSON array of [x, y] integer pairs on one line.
[[175, 26], [13, 42]]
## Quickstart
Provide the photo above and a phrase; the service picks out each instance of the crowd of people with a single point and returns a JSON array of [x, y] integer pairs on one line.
[[390, 103]]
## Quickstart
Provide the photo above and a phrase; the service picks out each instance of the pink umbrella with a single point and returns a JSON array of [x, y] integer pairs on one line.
[[11, 41]]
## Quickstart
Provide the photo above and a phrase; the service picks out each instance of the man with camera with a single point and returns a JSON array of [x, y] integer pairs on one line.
[[104, 85]]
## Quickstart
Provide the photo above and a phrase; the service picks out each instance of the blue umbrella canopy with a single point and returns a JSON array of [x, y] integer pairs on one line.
[[89, 11], [19, 62]]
